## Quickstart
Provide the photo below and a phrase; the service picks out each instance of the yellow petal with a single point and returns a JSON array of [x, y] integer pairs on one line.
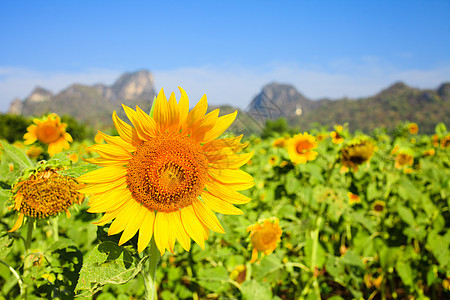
[[233, 161], [133, 225], [161, 111], [105, 162], [132, 116], [220, 206], [146, 230], [225, 193], [128, 211], [103, 187], [126, 132], [230, 176], [217, 145], [183, 105], [161, 232], [174, 115], [110, 200], [148, 124], [118, 141], [112, 152], [103, 175], [192, 225], [17, 201], [180, 232], [207, 216], [195, 114], [205, 124], [222, 124], [18, 223]]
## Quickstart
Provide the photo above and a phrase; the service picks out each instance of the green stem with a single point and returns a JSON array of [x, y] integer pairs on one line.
[[315, 247], [30, 227], [19, 280], [55, 229], [149, 275], [330, 171]]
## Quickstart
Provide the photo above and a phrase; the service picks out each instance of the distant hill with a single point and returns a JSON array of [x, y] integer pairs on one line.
[[398, 102], [94, 104], [91, 104]]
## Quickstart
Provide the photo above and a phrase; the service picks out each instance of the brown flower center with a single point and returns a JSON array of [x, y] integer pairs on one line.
[[167, 172]]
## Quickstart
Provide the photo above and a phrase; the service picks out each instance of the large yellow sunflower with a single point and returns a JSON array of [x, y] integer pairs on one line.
[[300, 148], [49, 130], [165, 175]]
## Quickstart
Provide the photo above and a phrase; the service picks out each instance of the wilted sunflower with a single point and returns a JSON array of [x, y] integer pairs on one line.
[[413, 128], [356, 153], [49, 130], [264, 236], [43, 193], [300, 148], [171, 164], [403, 159]]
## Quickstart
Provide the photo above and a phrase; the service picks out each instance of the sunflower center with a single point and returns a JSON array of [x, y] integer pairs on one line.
[[303, 146], [47, 193], [47, 132], [167, 172]]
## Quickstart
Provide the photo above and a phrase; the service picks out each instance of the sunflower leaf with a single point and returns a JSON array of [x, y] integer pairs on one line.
[[107, 263], [16, 155]]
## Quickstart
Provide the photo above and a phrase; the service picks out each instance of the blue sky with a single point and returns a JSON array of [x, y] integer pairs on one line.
[[225, 49]]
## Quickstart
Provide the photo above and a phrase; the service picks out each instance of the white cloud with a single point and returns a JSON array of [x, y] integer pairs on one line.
[[237, 85]]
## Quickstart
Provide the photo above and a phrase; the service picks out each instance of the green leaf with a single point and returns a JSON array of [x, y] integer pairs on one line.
[[406, 214], [292, 183], [107, 263], [80, 170], [352, 259], [405, 272], [17, 155], [256, 290], [5, 246], [213, 279]]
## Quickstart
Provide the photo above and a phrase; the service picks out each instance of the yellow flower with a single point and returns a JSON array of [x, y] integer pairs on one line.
[[353, 198], [445, 142], [239, 274], [44, 193], [279, 143], [429, 152], [435, 138], [273, 160], [300, 148], [403, 160], [98, 138], [413, 128], [395, 150], [357, 153], [49, 130], [73, 157], [34, 152], [336, 135], [378, 206], [171, 164], [264, 237], [321, 136]]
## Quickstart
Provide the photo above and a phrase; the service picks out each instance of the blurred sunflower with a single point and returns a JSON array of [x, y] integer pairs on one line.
[[353, 198], [445, 142], [34, 151], [413, 128], [356, 153], [279, 142], [239, 274], [49, 130], [429, 152], [403, 159], [273, 160], [378, 206], [43, 193], [336, 135], [300, 148], [264, 236], [435, 140], [170, 163]]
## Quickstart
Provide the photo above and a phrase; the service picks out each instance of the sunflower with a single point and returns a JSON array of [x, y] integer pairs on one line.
[[353, 198], [336, 135], [239, 274], [264, 236], [300, 148], [445, 142], [279, 142], [165, 175], [356, 153], [429, 152], [378, 206], [49, 130], [43, 193], [413, 128], [403, 159], [34, 152]]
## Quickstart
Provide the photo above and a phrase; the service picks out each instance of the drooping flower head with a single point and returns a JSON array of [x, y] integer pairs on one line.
[[413, 128], [43, 192], [165, 175], [264, 236], [300, 148], [356, 153], [49, 130]]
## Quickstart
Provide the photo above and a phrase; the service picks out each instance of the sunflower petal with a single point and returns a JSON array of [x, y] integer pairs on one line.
[[207, 216], [148, 124], [220, 206], [102, 187], [103, 175], [183, 105], [222, 124], [230, 176], [18, 223], [192, 225], [161, 231], [132, 116], [223, 192], [133, 225], [180, 232], [146, 230]]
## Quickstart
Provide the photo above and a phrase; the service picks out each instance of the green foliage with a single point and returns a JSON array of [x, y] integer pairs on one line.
[[78, 131], [275, 128], [13, 127]]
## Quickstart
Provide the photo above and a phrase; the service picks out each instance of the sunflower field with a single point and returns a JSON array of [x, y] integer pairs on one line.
[[324, 214]]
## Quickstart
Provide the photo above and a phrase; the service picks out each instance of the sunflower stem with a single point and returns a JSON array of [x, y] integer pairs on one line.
[[30, 227], [55, 229], [150, 274]]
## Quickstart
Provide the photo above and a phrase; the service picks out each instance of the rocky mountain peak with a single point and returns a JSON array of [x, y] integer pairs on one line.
[[39, 94], [395, 89], [444, 91], [134, 85]]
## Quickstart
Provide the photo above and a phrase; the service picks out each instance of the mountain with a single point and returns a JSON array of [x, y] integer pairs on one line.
[[91, 104], [394, 104]]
